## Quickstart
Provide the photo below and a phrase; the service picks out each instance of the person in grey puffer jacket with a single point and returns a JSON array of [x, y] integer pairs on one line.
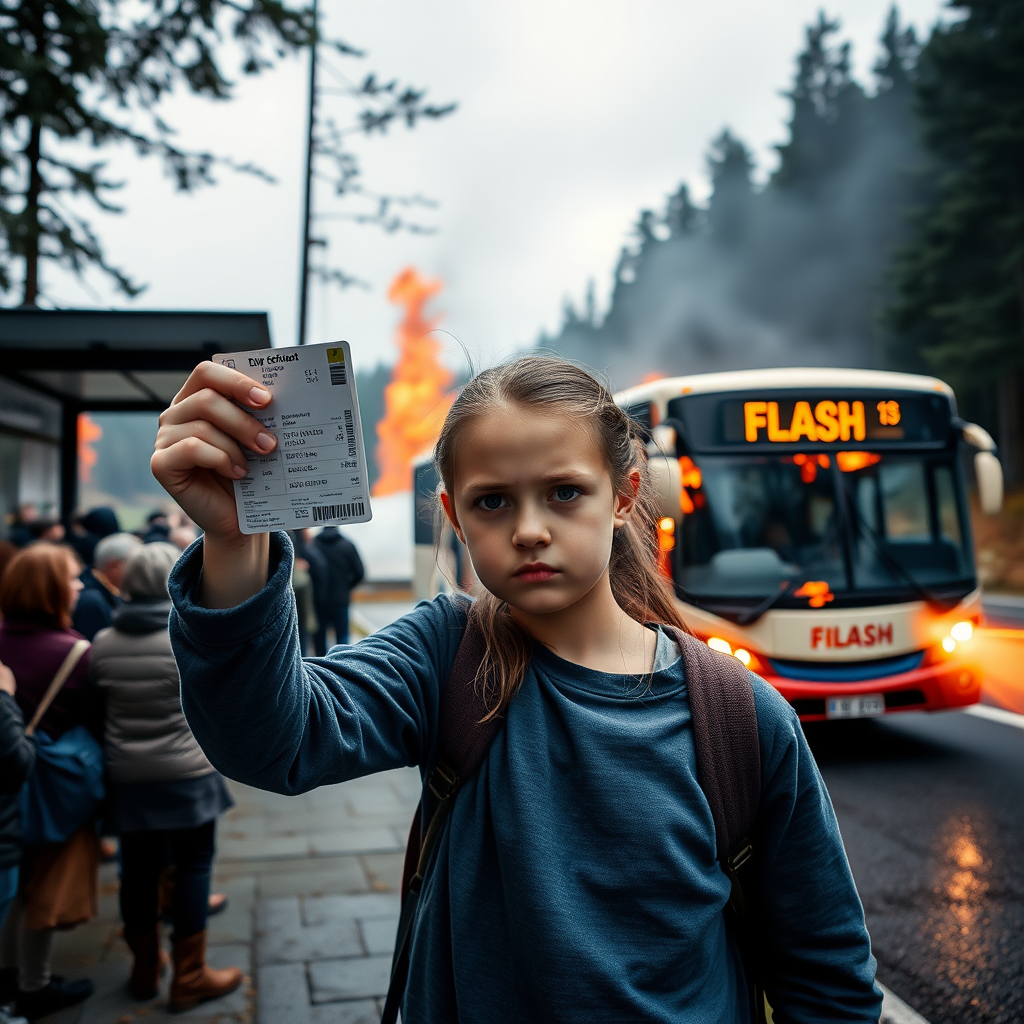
[[164, 794]]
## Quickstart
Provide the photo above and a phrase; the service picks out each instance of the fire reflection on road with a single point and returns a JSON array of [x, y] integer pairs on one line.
[[958, 929]]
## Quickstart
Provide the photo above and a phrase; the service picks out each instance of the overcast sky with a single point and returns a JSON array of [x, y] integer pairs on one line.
[[573, 115]]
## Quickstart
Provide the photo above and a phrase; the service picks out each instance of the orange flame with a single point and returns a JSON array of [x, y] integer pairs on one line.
[[850, 462], [416, 401], [89, 431], [818, 593]]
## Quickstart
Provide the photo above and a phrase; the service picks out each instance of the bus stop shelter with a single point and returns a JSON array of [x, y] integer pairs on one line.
[[112, 361]]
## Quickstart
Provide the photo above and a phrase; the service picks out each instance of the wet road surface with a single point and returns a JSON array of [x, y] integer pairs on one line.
[[931, 808]]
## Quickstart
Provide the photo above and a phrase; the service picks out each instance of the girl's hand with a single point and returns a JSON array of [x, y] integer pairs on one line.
[[200, 445], [199, 453]]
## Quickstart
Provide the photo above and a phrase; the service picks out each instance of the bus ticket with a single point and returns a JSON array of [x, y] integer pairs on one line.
[[316, 476]]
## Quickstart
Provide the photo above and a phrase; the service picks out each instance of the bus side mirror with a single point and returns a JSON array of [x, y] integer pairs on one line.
[[989, 474], [666, 483]]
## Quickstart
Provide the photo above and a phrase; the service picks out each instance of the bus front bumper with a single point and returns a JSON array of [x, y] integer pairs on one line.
[[952, 684]]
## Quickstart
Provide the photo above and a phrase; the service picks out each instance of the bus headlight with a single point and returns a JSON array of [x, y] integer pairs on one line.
[[962, 632], [741, 654], [948, 644]]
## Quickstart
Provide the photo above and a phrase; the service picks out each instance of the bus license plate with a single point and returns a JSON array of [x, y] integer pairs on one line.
[[868, 705]]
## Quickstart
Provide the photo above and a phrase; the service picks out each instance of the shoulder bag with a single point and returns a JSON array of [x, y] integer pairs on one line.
[[66, 784]]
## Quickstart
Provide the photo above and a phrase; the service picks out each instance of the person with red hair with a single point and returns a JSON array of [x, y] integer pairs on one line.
[[38, 593]]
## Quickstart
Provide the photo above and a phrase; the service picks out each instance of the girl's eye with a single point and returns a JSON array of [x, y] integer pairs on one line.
[[491, 502], [567, 493]]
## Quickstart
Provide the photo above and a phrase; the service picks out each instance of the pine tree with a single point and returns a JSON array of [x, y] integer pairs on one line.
[[826, 124], [95, 72], [961, 280], [729, 166], [682, 216], [76, 71]]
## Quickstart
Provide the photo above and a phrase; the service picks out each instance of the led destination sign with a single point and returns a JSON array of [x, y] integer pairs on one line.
[[822, 420], [830, 421]]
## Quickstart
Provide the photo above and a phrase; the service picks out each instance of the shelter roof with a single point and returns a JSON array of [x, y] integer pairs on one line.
[[118, 359]]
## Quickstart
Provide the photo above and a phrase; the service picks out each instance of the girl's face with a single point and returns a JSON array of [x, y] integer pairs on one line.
[[534, 502]]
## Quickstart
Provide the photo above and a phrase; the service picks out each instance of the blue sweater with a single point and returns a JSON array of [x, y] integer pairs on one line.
[[576, 880]]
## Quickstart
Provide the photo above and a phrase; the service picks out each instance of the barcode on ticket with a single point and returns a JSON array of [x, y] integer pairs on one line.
[[338, 374], [350, 434], [321, 513]]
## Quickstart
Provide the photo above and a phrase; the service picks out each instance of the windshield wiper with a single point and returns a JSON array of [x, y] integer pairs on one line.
[[889, 560], [749, 618], [792, 585]]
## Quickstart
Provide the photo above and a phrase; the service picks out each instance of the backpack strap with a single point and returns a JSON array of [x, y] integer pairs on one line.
[[67, 666], [728, 750], [462, 740]]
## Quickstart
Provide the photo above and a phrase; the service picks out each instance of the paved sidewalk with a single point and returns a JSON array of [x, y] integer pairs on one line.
[[313, 883]]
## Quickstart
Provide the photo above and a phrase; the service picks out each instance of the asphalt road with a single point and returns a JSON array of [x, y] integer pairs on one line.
[[931, 808]]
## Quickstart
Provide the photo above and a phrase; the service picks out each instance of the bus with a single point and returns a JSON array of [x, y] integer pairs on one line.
[[814, 525]]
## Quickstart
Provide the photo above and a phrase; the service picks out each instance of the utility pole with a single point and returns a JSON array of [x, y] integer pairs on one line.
[[308, 207]]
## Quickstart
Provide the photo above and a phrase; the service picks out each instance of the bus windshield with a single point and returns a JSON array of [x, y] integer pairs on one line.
[[872, 526]]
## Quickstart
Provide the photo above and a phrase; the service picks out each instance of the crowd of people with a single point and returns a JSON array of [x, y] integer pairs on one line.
[[87, 675]]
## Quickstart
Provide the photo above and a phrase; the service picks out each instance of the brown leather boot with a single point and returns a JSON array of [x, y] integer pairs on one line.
[[148, 966], [194, 982]]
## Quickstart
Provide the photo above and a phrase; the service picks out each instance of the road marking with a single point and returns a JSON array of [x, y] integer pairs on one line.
[[895, 1011], [996, 715]]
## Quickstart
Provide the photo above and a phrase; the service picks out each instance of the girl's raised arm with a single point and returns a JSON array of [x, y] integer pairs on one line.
[[199, 453], [266, 717]]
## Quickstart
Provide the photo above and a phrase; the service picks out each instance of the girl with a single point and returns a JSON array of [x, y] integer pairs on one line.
[[576, 878]]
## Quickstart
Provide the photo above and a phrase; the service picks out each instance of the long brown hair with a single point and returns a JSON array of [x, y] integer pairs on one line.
[[35, 584], [639, 588]]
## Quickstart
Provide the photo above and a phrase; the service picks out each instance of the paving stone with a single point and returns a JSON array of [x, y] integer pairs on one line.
[[383, 870], [282, 995], [361, 1011], [407, 784], [344, 876], [251, 826], [354, 839], [320, 910], [234, 924], [307, 821], [281, 936], [263, 848], [112, 999], [379, 935], [361, 978]]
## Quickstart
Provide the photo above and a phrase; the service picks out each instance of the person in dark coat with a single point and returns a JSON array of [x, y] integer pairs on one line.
[[22, 529], [309, 570], [88, 530], [332, 585], [158, 529], [37, 595], [17, 755], [101, 583]]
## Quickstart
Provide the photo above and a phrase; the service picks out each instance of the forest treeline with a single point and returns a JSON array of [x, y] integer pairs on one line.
[[891, 233]]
